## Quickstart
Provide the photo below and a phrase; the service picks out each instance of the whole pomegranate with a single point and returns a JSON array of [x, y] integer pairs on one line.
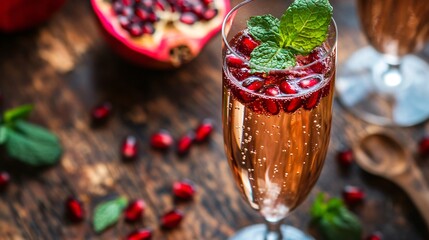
[[16, 15], [160, 33]]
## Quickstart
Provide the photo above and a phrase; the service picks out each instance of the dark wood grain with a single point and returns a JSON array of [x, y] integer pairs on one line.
[[65, 68]]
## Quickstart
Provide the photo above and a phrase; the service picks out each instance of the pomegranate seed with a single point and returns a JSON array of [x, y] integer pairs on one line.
[[161, 140], [171, 219], [184, 190], [253, 83], [74, 209], [345, 157], [272, 91], [160, 5], [142, 14], [135, 30], [234, 61], [124, 22], [129, 148], [207, 2], [375, 236], [4, 180], [152, 17], [326, 89], [245, 96], [118, 7], [127, 12], [188, 18], [287, 88], [141, 234], [204, 130], [209, 14], [292, 105], [247, 45], [126, 2], [353, 195], [424, 146], [184, 144], [308, 83], [134, 211], [240, 73], [271, 106], [314, 56], [312, 100], [198, 9], [101, 113], [147, 3], [148, 28]]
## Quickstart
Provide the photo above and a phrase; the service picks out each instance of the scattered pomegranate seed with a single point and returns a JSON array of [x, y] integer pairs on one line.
[[184, 144], [424, 146], [141, 234], [171, 219], [129, 148], [253, 83], [308, 83], [101, 113], [287, 88], [353, 195], [188, 18], [375, 236], [234, 61], [312, 100], [134, 210], [4, 180], [161, 140], [184, 190], [204, 130], [74, 209], [292, 105], [345, 157]]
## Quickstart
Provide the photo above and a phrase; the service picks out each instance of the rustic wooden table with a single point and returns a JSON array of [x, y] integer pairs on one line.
[[65, 68]]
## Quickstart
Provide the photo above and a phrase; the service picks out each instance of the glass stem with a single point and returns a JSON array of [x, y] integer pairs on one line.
[[273, 230]]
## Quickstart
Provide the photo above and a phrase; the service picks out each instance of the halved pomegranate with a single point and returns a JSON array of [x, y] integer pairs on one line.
[[160, 33], [16, 15]]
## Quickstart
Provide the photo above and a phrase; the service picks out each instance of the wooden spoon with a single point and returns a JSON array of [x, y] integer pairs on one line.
[[381, 154]]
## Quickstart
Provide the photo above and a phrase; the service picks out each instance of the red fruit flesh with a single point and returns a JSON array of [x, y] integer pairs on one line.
[[353, 195], [101, 113], [171, 219], [129, 148], [172, 32], [141, 234], [424, 146], [17, 15], [375, 236], [345, 157], [204, 130], [161, 140], [184, 144], [74, 209], [134, 211], [4, 180], [184, 190]]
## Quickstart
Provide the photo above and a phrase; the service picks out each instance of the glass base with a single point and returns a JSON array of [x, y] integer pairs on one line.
[[400, 100], [257, 232]]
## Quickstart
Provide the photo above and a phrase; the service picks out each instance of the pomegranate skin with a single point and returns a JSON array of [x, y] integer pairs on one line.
[[156, 56], [18, 15]]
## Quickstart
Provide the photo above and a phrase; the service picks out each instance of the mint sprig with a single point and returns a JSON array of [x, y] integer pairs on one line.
[[302, 27], [107, 213], [28, 142], [334, 220]]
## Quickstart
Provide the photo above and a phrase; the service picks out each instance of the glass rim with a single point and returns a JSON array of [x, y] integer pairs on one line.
[[225, 41]]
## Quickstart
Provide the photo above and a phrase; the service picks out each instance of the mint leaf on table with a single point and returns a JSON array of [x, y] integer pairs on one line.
[[304, 25], [334, 220], [14, 114], [106, 214], [271, 56], [264, 28]]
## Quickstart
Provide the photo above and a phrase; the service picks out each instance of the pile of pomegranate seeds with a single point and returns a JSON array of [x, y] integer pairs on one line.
[[424, 146], [171, 219], [129, 148], [184, 190], [345, 157], [4, 180], [134, 210], [141, 234], [138, 17], [74, 209], [280, 84], [353, 195], [100, 114]]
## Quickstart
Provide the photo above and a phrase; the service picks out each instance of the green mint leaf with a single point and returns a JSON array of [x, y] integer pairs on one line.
[[3, 134], [11, 115], [334, 220], [264, 28], [270, 56], [305, 24], [32, 144], [106, 214]]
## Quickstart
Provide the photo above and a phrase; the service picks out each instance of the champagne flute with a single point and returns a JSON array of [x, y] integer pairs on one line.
[[275, 145], [382, 84]]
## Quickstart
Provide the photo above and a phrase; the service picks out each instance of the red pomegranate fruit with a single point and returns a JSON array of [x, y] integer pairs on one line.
[[160, 33], [16, 15]]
